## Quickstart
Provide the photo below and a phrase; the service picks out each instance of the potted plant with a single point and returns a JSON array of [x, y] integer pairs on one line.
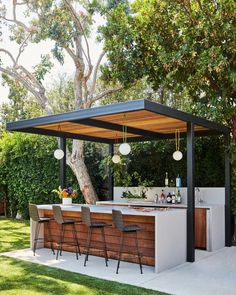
[[143, 185], [66, 194]]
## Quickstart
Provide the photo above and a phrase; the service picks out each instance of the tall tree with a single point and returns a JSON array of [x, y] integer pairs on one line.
[[19, 105], [182, 45], [67, 23]]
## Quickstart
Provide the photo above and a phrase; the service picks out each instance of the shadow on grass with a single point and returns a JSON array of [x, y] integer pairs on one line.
[[14, 235], [18, 276]]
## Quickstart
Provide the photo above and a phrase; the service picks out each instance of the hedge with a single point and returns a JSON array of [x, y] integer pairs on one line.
[[29, 172]]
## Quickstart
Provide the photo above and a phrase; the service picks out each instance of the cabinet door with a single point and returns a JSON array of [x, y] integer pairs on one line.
[[200, 228]]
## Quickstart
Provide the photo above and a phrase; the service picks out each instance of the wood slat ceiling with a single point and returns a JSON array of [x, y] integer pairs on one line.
[[142, 119]]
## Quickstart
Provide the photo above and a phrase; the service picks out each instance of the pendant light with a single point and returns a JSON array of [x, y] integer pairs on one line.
[[124, 148], [177, 155], [59, 153], [116, 158]]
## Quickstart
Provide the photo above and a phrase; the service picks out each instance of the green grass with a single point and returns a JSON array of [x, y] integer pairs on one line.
[[20, 277], [14, 234]]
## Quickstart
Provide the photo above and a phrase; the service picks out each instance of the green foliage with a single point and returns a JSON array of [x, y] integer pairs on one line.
[[151, 160], [129, 195], [20, 106], [29, 172], [26, 173], [43, 68], [61, 94], [184, 46]]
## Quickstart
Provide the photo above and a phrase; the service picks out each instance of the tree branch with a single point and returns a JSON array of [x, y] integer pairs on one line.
[[19, 78], [79, 27], [95, 73], [22, 48], [39, 94], [32, 78], [104, 93], [9, 54], [15, 20], [72, 55]]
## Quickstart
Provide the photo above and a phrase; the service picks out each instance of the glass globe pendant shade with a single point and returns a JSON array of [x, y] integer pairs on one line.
[[116, 159], [177, 155], [58, 154], [124, 149]]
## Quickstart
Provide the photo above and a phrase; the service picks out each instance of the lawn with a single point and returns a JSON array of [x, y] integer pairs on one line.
[[19, 277], [14, 234]]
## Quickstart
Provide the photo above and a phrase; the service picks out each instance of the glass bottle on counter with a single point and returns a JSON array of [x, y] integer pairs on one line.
[[166, 179], [178, 181], [162, 197], [156, 198], [173, 198], [179, 197], [169, 199]]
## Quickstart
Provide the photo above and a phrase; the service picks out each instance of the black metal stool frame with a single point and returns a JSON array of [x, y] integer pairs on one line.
[[118, 222], [86, 219], [63, 223]]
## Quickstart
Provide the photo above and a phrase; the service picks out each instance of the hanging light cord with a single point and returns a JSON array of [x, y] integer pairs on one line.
[[177, 139], [116, 142], [124, 130]]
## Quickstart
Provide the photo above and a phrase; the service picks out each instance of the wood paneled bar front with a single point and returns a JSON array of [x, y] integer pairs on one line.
[[162, 239]]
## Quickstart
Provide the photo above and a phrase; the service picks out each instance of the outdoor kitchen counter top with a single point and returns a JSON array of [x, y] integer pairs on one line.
[[107, 209], [162, 239], [154, 204]]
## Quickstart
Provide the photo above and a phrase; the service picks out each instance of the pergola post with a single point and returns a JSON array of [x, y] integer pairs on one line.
[[228, 238], [110, 177], [62, 145], [190, 193]]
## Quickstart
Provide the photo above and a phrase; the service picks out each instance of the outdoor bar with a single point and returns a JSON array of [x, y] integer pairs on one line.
[[161, 245], [145, 121]]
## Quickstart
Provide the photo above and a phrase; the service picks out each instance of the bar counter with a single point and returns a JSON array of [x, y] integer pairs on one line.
[[162, 239]]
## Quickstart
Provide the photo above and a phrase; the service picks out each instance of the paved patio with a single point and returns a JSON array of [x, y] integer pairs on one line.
[[212, 273]]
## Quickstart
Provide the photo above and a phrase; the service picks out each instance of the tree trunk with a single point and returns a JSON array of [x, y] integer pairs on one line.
[[76, 163]]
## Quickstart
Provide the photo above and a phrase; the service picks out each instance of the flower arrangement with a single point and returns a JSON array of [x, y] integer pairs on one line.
[[65, 193]]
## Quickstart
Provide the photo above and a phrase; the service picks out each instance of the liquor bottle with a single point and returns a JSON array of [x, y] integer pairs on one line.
[[166, 179], [169, 198], [173, 198], [179, 197], [162, 197], [156, 199], [178, 181]]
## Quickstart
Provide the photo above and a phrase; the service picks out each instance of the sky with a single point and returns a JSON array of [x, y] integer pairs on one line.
[[31, 56]]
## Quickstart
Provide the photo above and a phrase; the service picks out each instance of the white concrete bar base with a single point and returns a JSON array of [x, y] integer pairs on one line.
[[170, 239]]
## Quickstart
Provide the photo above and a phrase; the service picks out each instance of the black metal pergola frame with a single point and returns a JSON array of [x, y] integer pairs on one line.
[[86, 117]]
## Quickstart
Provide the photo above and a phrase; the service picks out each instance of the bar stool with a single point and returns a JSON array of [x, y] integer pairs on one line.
[[86, 219], [63, 223], [125, 229], [34, 215]]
